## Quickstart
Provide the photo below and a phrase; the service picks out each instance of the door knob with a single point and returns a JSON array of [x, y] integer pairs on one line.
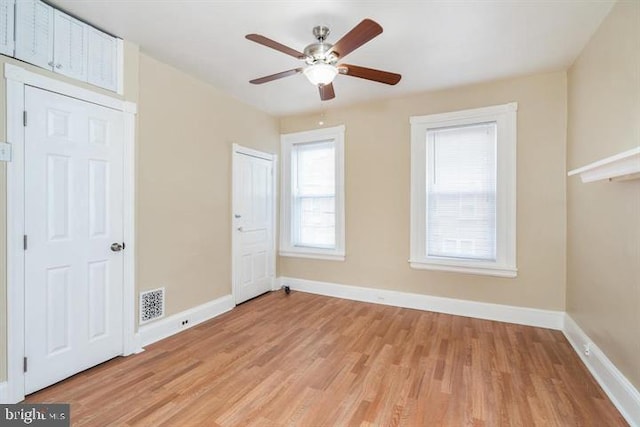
[[240, 229], [117, 247]]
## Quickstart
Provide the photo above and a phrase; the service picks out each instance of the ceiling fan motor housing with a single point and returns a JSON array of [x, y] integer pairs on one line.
[[320, 51]]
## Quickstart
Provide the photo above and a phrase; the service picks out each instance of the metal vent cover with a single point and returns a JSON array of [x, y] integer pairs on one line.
[[151, 305]]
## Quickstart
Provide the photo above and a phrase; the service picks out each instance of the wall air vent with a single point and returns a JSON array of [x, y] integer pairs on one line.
[[151, 305]]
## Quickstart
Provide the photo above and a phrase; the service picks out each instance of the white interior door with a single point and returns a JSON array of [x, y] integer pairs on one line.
[[73, 215], [253, 206]]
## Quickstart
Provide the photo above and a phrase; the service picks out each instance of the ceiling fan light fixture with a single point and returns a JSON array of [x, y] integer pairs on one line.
[[321, 73]]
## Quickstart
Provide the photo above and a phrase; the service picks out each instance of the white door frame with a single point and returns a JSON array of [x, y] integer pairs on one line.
[[16, 79], [236, 150]]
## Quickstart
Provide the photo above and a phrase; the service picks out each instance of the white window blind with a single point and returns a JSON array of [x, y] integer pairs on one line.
[[314, 195], [461, 192]]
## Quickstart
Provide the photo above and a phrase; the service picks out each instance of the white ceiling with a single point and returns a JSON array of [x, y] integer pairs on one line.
[[433, 44]]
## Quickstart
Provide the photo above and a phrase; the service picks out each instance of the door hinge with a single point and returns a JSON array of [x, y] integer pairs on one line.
[[24, 365], [5, 152], [24, 117], [24, 242]]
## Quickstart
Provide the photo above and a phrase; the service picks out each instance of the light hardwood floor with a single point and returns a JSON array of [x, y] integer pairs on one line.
[[308, 360]]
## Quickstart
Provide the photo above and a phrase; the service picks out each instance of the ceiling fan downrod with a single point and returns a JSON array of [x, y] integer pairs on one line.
[[321, 33]]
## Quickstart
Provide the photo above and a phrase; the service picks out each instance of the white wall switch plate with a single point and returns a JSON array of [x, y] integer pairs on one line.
[[5, 152]]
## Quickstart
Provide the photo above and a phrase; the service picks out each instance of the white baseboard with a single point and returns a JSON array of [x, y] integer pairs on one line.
[[4, 393], [164, 328], [621, 392], [481, 310]]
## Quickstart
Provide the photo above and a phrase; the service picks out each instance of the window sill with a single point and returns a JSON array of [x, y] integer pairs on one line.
[[313, 255], [468, 268]]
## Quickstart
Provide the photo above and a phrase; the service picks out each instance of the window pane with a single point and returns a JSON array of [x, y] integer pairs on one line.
[[315, 168], [317, 222], [313, 195], [461, 192]]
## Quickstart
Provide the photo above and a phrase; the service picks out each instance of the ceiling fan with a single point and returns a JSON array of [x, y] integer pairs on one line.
[[322, 58]]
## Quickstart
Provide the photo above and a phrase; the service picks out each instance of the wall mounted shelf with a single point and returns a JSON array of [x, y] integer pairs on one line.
[[622, 166]]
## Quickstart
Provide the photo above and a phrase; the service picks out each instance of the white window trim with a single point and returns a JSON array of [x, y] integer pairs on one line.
[[505, 116], [287, 142]]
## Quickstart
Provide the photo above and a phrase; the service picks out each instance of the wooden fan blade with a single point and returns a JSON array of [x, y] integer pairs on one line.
[[275, 76], [326, 92], [274, 45], [359, 35], [370, 74]]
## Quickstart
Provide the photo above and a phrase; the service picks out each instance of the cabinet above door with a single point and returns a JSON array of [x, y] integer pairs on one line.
[[103, 59], [7, 45], [69, 46], [51, 39], [34, 33]]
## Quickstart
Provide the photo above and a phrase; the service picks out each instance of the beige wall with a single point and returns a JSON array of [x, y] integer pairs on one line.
[[185, 133], [130, 94], [377, 168], [603, 286]]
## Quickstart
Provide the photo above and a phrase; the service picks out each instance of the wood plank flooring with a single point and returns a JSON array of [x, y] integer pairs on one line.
[[308, 360]]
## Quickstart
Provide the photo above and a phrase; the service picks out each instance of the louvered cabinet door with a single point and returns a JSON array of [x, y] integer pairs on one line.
[[103, 59], [34, 33], [6, 27], [70, 46]]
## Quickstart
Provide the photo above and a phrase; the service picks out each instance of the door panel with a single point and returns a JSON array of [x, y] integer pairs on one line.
[[98, 297], [73, 212], [98, 198], [254, 255], [58, 195], [57, 309]]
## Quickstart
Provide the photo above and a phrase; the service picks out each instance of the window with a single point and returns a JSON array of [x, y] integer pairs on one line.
[[463, 182], [312, 210]]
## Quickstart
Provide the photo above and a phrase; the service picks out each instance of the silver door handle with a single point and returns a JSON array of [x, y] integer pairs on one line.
[[117, 247], [240, 229]]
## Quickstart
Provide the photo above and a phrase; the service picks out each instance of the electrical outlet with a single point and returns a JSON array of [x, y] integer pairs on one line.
[[587, 349], [5, 152], [185, 322]]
